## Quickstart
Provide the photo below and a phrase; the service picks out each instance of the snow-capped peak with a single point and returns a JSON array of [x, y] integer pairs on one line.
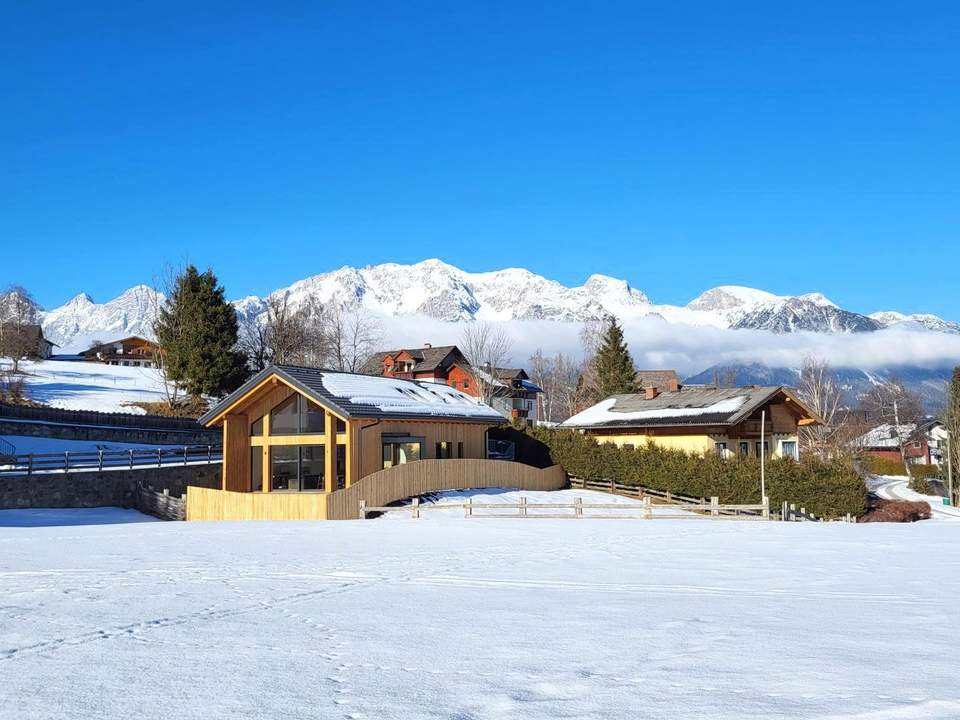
[[729, 297]]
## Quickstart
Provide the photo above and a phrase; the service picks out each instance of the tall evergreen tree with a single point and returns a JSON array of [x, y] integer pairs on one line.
[[197, 332], [613, 365]]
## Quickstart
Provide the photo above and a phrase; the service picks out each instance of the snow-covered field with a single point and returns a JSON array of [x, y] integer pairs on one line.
[[456, 618], [91, 386], [625, 506]]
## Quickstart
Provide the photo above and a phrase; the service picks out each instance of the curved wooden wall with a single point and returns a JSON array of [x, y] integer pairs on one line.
[[423, 476]]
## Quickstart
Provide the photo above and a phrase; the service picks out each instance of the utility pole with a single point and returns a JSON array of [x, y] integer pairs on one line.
[[949, 470], [763, 455]]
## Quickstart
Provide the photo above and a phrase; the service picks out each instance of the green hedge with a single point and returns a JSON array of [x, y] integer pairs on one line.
[[922, 486], [827, 489], [886, 466]]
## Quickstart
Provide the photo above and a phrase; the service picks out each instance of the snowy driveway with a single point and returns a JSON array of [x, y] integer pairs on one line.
[[486, 619], [897, 488]]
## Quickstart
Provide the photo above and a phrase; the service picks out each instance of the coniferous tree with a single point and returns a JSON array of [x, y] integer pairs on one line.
[[197, 332], [615, 372]]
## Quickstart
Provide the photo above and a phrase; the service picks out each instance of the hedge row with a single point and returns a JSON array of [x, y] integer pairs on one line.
[[886, 466], [828, 489]]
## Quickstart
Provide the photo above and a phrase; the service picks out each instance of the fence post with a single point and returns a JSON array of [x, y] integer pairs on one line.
[[66, 460], [578, 507], [612, 485], [793, 511], [363, 509], [30, 464], [647, 508], [210, 455], [100, 459], [803, 514], [131, 458], [669, 497], [415, 506], [159, 458], [184, 454], [766, 508], [468, 507], [523, 507], [783, 511], [714, 502]]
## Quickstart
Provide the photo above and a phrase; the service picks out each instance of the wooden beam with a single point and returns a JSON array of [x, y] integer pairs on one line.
[[330, 451], [266, 453]]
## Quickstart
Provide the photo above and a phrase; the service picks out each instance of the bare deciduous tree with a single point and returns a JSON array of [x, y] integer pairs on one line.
[[350, 336], [890, 403], [162, 289], [557, 376], [819, 389], [486, 347], [18, 311]]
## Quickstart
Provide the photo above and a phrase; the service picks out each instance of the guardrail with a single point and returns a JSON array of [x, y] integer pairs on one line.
[[644, 510], [7, 449], [132, 459]]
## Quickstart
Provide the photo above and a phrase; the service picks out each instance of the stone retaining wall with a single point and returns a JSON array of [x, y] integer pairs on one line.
[[85, 489]]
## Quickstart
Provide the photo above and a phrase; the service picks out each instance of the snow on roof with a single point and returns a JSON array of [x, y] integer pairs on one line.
[[605, 412], [886, 435], [405, 397]]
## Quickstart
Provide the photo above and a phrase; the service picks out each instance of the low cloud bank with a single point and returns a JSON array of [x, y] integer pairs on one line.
[[690, 349]]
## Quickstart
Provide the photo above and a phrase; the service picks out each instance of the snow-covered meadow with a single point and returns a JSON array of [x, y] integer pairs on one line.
[[91, 386], [482, 618]]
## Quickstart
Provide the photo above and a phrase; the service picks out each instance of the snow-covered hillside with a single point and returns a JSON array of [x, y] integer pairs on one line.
[[437, 290], [91, 386], [105, 616]]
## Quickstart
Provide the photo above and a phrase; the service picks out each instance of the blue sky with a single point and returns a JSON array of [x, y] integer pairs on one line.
[[811, 147]]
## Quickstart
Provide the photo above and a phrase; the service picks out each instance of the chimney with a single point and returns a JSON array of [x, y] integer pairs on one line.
[[673, 385], [651, 392]]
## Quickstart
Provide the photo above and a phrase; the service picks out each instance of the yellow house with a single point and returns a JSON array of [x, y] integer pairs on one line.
[[295, 429], [731, 421]]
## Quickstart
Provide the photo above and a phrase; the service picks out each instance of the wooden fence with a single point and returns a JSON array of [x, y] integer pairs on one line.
[[208, 504], [160, 504], [643, 510], [132, 459], [91, 417], [637, 491], [424, 476], [378, 489]]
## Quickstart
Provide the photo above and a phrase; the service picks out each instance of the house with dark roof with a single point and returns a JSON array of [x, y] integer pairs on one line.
[[302, 429], [514, 394], [133, 351], [754, 420]]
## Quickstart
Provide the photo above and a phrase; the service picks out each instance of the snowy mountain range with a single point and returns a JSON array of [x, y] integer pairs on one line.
[[443, 292]]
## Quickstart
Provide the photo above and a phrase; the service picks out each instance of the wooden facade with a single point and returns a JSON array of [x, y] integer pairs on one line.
[[352, 447], [380, 488]]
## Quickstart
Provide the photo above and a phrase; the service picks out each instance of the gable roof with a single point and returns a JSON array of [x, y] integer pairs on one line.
[[100, 346], [354, 395], [689, 406], [426, 358]]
